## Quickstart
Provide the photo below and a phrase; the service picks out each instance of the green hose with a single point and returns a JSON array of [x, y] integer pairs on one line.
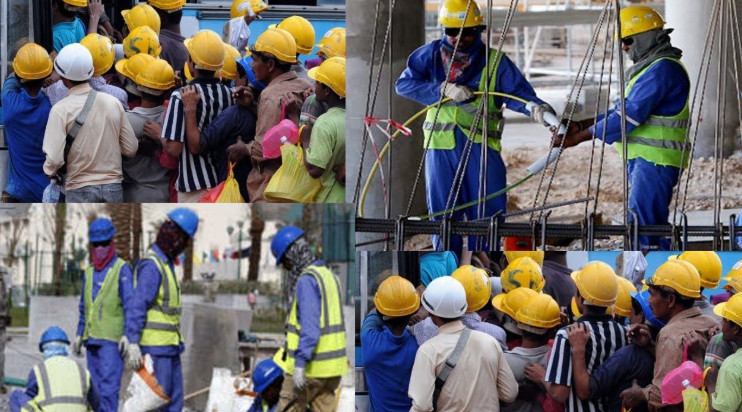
[[11, 381]]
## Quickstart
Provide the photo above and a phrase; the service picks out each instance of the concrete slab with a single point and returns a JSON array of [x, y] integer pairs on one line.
[[46, 311]]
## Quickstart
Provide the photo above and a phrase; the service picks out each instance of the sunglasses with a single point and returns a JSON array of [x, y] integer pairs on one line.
[[466, 32], [627, 41], [99, 244]]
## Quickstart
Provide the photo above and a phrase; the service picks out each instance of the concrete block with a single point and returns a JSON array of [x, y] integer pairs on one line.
[[46, 311]]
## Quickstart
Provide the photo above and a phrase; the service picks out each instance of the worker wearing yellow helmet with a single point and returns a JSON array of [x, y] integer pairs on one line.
[[237, 31], [101, 48], [507, 306], [67, 28], [173, 43], [718, 348], [709, 268], [522, 272], [141, 15], [228, 72], [303, 32], [724, 387], [427, 79]]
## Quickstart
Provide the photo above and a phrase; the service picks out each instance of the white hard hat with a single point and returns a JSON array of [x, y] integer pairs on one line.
[[445, 297], [496, 285], [74, 62]]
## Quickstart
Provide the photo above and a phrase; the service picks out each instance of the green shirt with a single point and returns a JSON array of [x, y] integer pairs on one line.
[[327, 150], [728, 395]]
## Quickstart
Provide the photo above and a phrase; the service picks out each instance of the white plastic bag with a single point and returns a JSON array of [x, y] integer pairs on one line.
[[52, 193], [144, 393]]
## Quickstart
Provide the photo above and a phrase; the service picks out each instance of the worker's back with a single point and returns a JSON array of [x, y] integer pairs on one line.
[[63, 385]]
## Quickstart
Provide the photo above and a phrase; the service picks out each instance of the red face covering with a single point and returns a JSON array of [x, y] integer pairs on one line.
[[101, 255]]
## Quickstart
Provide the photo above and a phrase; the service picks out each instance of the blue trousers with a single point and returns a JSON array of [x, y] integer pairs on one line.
[[169, 374], [650, 193], [106, 367], [18, 398], [440, 171]]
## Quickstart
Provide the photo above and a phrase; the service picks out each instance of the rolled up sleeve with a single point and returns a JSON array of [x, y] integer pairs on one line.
[[54, 138]]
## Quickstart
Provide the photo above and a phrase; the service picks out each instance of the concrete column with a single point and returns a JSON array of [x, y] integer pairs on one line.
[[408, 33], [691, 20]]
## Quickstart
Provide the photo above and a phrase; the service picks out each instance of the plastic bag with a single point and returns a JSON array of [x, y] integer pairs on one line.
[[52, 193], [227, 191], [144, 392], [687, 374], [284, 132], [695, 400], [291, 182]]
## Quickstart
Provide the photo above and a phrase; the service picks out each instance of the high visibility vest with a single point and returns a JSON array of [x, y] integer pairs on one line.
[[440, 124], [661, 139], [328, 358], [63, 386], [163, 318], [104, 315]]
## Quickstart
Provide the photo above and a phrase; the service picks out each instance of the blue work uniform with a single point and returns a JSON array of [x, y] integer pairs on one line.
[[421, 81], [259, 406], [19, 398], [105, 363], [308, 301], [661, 91]]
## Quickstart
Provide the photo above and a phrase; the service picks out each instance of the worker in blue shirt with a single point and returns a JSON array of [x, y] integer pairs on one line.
[[67, 27], [267, 379], [447, 129], [26, 109], [657, 115], [107, 292], [154, 329], [388, 347]]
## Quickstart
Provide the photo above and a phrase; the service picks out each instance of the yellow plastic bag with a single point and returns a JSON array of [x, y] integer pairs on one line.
[[227, 191], [695, 400], [291, 182]]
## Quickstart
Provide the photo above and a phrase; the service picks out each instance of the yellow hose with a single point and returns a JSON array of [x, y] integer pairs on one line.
[[375, 168]]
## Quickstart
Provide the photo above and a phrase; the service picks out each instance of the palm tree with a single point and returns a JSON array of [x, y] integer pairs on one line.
[[257, 225], [59, 229], [121, 218]]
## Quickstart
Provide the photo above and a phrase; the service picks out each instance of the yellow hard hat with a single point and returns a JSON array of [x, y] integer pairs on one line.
[[32, 62], [142, 40], [167, 5], [302, 30], [639, 19], [597, 284], [331, 73], [623, 299], [277, 42], [680, 276], [476, 284], [708, 265], [540, 311], [155, 77], [132, 66], [142, 15], [332, 43], [734, 278], [239, 7], [229, 69], [206, 50], [537, 255], [511, 302], [731, 310], [101, 48], [524, 272], [460, 13], [578, 314], [396, 297], [77, 3]]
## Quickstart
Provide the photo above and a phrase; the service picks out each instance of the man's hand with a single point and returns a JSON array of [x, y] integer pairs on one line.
[[639, 334], [578, 335], [456, 92], [178, 80], [710, 380], [571, 140], [53, 78], [633, 397], [134, 357], [300, 379], [76, 346], [124, 345], [563, 317], [696, 348], [538, 111], [535, 373], [419, 316], [96, 9], [242, 95], [238, 151], [152, 130], [190, 97], [340, 174]]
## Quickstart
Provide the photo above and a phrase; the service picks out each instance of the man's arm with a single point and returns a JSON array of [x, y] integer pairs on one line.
[[148, 284], [53, 146], [308, 302], [422, 384], [558, 379], [416, 83], [96, 10], [578, 335], [511, 81], [81, 308], [127, 139], [318, 151], [190, 96], [126, 289], [507, 386], [173, 130]]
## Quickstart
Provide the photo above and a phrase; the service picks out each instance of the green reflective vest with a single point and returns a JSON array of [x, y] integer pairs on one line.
[[661, 139], [440, 124], [328, 359], [163, 317], [104, 316], [63, 386]]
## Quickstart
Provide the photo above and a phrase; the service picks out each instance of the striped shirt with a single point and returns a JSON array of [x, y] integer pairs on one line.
[[196, 172], [606, 337]]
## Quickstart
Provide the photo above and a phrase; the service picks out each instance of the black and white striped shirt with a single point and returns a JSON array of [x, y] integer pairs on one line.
[[606, 337], [196, 171]]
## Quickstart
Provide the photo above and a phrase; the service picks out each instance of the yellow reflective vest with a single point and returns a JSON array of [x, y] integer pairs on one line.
[[163, 317], [63, 386]]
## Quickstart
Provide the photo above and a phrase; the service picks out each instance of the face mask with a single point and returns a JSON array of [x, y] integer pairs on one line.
[[102, 255]]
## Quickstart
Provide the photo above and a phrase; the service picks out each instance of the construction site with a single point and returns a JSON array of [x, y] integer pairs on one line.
[[235, 294], [557, 197]]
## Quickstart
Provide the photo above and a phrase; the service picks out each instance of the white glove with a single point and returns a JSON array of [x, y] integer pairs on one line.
[[300, 380], [123, 345], [134, 357], [539, 110], [76, 346], [456, 92]]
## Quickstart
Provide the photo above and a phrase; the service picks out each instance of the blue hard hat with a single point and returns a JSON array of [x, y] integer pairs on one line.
[[283, 239], [265, 373], [101, 230], [53, 334], [246, 64], [643, 299], [186, 218]]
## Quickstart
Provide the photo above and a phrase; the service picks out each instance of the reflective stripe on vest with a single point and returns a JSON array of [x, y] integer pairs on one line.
[[660, 140], [329, 356], [104, 315], [59, 388], [440, 124], [163, 317]]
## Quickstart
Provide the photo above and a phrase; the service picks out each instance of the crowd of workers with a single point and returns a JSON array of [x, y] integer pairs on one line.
[[521, 331], [147, 115]]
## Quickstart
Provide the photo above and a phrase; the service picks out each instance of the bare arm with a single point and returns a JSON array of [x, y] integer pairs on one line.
[[190, 97], [578, 336], [96, 10]]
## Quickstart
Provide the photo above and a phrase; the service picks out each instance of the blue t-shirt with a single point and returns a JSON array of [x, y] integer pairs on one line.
[[25, 125], [388, 361], [67, 32], [435, 265], [616, 374]]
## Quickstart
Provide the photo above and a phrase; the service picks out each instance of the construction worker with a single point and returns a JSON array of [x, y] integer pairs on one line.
[[657, 114], [313, 357], [507, 306], [228, 73], [107, 292], [724, 387], [709, 268], [128, 70], [597, 289], [446, 130], [142, 40], [459, 369], [93, 161], [557, 275], [622, 307], [387, 346], [237, 30], [324, 153], [673, 290], [267, 379], [303, 33], [522, 272], [67, 27], [147, 175], [58, 383], [436, 264], [174, 51], [141, 14], [154, 329], [718, 348], [26, 109], [332, 44]]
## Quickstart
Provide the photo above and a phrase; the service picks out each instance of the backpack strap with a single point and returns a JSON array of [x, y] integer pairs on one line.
[[440, 380], [76, 126]]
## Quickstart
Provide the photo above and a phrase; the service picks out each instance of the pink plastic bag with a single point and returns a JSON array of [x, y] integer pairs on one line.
[[672, 385], [284, 132]]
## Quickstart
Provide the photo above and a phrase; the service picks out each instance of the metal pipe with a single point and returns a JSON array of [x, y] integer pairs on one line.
[[590, 244], [684, 219], [446, 232], [493, 240], [400, 233], [635, 241], [544, 217], [732, 231], [363, 261]]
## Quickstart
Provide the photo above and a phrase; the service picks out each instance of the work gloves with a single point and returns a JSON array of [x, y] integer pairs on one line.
[[538, 111], [456, 92], [134, 357], [300, 379], [123, 345], [76, 346]]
